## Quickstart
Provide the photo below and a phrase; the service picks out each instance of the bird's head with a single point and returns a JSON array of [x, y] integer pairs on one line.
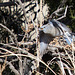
[[47, 29]]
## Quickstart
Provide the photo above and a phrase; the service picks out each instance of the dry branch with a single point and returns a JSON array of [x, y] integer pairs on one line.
[[9, 32], [11, 67], [22, 7], [56, 13]]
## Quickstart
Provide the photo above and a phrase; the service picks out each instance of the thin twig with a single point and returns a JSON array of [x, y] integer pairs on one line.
[[30, 56], [9, 32], [61, 65], [11, 67], [64, 14]]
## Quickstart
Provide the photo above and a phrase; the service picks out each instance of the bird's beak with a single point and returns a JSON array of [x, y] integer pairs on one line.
[[40, 29]]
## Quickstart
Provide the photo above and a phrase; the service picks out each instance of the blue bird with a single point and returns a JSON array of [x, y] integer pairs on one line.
[[51, 30]]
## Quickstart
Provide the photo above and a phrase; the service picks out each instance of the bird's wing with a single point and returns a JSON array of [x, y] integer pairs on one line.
[[60, 25], [67, 36]]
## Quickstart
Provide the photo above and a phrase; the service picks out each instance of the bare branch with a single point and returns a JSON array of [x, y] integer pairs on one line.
[[9, 32], [22, 7], [11, 67], [57, 11], [64, 14]]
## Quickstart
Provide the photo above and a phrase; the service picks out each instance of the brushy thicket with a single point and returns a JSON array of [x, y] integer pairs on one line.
[[18, 49]]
